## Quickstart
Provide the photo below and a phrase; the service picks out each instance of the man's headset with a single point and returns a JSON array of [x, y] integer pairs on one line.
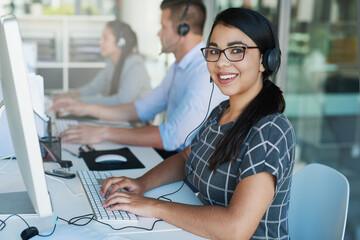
[[184, 28], [272, 57]]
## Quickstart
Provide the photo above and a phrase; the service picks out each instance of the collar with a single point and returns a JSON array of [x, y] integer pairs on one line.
[[191, 56]]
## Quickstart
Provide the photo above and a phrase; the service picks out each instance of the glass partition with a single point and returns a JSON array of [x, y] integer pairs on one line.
[[322, 90], [321, 85]]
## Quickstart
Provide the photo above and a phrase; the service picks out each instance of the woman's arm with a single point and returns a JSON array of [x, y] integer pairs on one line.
[[239, 220]]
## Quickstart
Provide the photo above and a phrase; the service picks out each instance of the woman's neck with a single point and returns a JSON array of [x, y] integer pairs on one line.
[[238, 103], [115, 56]]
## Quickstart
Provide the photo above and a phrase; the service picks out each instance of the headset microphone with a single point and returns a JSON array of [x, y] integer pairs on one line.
[[169, 47]]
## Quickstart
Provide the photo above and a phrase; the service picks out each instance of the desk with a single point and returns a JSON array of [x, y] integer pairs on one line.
[[69, 200]]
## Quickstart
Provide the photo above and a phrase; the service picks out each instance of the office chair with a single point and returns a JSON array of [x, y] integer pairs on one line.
[[318, 204]]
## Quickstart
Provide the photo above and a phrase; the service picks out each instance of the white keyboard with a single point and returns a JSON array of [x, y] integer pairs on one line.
[[63, 124], [91, 182]]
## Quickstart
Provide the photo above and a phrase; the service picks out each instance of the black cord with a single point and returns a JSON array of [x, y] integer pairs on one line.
[[3, 222], [90, 217], [206, 115], [187, 157], [74, 220]]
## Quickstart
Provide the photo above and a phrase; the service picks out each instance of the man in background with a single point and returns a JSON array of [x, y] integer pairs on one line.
[[184, 92]]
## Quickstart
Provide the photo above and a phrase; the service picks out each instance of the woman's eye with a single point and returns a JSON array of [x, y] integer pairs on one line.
[[237, 51]]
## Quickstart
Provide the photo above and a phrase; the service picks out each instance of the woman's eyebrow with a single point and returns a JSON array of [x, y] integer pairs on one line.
[[230, 44], [236, 43]]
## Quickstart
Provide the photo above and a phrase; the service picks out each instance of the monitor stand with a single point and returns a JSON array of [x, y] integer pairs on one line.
[[16, 203]]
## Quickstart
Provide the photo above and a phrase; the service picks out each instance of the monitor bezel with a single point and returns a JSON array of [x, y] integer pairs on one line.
[[16, 93]]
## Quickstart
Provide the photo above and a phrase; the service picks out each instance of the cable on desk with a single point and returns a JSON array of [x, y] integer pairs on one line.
[[11, 157], [90, 217], [8, 156], [74, 221], [3, 224]]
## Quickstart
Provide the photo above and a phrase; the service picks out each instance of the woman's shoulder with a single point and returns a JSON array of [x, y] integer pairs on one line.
[[273, 124], [273, 119], [134, 58], [219, 109]]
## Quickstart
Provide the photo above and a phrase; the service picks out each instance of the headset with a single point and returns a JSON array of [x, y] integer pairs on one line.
[[272, 57], [121, 42], [184, 28]]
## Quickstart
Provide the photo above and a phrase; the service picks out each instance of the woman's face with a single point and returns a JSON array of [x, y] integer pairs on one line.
[[242, 78], [107, 43]]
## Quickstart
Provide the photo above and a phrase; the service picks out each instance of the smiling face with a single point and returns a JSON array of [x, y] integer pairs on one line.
[[242, 78]]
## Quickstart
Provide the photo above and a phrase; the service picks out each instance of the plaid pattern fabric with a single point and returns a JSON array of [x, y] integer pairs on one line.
[[268, 147]]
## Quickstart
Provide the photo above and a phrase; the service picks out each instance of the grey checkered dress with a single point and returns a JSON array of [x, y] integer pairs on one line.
[[268, 147]]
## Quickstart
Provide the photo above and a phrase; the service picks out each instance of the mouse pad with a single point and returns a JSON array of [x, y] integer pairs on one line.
[[132, 160]]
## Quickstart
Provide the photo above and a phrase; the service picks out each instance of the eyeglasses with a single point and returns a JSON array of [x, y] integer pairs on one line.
[[233, 54]]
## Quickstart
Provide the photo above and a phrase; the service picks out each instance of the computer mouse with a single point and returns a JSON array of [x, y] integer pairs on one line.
[[110, 158]]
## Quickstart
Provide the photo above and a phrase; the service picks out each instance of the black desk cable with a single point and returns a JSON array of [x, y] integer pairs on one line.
[[32, 231]]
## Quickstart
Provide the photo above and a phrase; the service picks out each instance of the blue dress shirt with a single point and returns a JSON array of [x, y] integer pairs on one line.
[[185, 94]]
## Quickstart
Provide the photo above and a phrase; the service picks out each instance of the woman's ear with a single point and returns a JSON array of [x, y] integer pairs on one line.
[[261, 65]]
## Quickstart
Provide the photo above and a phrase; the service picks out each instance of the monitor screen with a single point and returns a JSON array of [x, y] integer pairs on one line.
[[20, 115]]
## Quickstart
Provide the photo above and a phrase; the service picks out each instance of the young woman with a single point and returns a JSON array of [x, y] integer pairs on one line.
[[242, 158], [124, 79]]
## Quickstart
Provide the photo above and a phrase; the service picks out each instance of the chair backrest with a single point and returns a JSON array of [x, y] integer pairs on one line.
[[318, 203]]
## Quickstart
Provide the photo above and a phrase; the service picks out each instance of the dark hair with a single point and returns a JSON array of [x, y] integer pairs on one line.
[[270, 98], [195, 16], [122, 30], [254, 25]]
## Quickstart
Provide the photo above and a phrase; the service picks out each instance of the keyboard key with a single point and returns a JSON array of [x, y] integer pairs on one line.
[[90, 181]]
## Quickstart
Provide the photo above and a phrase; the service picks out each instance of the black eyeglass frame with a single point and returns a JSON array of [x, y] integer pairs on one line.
[[223, 51]]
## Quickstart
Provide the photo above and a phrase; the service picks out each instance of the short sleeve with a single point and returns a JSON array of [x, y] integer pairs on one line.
[[268, 149]]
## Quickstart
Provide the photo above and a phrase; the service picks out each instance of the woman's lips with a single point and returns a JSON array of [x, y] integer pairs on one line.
[[225, 78]]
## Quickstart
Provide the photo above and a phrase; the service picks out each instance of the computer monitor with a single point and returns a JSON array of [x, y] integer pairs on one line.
[[20, 115]]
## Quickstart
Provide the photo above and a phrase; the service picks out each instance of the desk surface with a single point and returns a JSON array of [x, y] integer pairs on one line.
[[69, 200]]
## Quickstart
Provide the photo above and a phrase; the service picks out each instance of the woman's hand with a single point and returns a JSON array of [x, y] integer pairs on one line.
[[113, 184], [132, 202]]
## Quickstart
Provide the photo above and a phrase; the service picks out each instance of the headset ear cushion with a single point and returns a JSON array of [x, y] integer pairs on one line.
[[183, 29], [121, 42], [271, 60]]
